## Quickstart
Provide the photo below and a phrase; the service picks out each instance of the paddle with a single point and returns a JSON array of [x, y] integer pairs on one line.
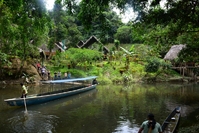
[[26, 111], [150, 128]]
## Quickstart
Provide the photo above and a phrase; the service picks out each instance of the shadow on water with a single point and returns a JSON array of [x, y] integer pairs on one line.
[[67, 103]]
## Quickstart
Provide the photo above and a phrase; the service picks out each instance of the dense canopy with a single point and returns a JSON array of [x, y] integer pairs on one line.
[[26, 24]]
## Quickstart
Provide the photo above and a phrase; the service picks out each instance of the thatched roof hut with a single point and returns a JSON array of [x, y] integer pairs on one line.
[[89, 42], [44, 51], [79, 44], [105, 50], [174, 51]]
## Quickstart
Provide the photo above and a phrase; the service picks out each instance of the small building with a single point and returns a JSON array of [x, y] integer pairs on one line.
[[173, 52], [90, 42], [44, 51], [79, 44], [185, 68]]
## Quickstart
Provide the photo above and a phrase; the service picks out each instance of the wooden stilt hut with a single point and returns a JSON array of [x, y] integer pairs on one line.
[[172, 54]]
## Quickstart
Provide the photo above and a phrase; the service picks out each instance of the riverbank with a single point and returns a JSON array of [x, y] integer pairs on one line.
[[103, 80], [107, 72]]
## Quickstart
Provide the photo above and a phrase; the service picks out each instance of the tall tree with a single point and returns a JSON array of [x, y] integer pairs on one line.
[[27, 26], [65, 25], [124, 34]]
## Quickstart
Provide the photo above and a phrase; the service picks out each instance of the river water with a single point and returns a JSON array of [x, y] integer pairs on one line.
[[106, 109]]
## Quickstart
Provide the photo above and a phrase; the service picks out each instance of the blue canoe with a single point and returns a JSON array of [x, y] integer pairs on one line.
[[68, 80], [49, 96]]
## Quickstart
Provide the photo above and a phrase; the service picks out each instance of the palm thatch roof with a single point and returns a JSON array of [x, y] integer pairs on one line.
[[105, 50], [79, 44], [88, 43], [174, 51], [57, 46]]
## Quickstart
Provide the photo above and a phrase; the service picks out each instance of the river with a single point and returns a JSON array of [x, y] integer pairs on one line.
[[107, 109]]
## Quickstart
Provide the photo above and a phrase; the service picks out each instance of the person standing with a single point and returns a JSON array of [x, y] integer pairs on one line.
[[68, 75], [55, 75], [43, 71], [38, 66], [94, 81], [24, 91], [65, 75], [49, 77], [59, 75], [150, 125]]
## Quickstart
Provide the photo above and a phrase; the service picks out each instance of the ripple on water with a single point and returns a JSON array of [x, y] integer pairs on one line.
[[125, 126], [32, 122]]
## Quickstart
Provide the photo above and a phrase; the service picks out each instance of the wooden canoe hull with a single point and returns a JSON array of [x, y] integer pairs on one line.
[[171, 122], [42, 98]]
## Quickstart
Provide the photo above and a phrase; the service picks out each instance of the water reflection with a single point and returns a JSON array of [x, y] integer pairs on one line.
[[32, 121], [108, 109], [126, 127]]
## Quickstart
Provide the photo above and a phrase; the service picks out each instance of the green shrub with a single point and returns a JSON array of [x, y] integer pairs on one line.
[[104, 80], [152, 65], [77, 73]]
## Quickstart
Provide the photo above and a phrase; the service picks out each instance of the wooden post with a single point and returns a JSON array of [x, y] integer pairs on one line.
[[183, 72]]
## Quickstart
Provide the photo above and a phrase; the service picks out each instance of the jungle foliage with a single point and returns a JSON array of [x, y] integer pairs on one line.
[[70, 22], [26, 25]]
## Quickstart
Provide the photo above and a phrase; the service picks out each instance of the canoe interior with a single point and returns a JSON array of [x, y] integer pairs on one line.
[[60, 91], [49, 96], [171, 121]]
